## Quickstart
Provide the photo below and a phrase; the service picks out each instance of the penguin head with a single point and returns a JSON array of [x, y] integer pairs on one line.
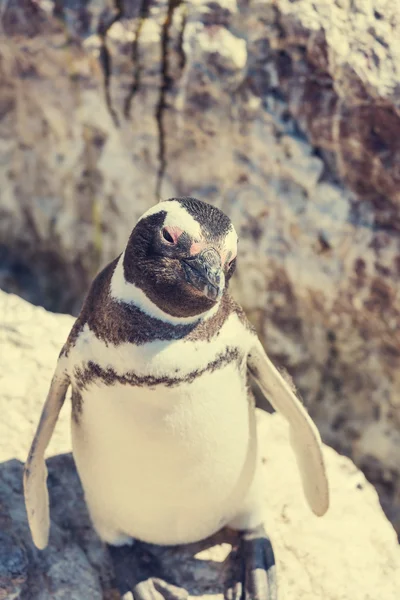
[[181, 254]]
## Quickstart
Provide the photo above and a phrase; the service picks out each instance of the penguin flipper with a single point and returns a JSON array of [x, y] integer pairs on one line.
[[35, 471], [304, 436]]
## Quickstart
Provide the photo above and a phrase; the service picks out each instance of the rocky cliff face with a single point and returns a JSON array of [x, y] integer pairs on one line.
[[283, 113], [351, 552]]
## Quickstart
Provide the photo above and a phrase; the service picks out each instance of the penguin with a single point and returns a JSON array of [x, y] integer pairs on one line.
[[163, 421]]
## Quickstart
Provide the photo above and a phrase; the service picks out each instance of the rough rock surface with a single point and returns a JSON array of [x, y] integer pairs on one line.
[[352, 552], [284, 113]]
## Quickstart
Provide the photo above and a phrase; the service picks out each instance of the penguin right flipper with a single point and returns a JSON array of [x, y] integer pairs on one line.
[[304, 435], [35, 471]]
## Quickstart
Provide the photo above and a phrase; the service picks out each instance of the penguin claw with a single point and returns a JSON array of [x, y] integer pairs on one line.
[[155, 589], [259, 561], [256, 580], [169, 591], [136, 576], [234, 592]]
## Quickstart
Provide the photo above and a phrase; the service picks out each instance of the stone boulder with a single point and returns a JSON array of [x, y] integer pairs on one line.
[[352, 552], [283, 113]]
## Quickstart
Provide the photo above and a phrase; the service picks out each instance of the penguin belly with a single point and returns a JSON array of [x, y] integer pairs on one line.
[[166, 465]]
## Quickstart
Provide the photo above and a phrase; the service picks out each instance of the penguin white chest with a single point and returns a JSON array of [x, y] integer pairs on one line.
[[166, 463]]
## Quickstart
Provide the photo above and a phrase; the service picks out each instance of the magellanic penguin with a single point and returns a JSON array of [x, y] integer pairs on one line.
[[163, 423]]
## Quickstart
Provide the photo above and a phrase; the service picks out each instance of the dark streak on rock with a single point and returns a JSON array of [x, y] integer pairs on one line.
[[105, 56], [165, 85], [58, 10], [327, 372], [137, 66], [181, 52]]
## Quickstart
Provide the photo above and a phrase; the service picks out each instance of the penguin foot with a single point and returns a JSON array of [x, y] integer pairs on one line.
[[256, 579], [155, 589], [138, 575]]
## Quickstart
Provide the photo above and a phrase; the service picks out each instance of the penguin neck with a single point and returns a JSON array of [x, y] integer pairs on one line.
[[124, 291]]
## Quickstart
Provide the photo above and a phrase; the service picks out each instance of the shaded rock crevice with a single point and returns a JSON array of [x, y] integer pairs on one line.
[[166, 82], [136, 62], [105, 60]]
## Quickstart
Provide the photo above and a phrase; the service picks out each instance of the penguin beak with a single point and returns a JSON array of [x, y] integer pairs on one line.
[[204, 272]]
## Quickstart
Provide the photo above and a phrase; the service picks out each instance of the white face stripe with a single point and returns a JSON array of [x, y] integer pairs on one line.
[[176, 216], [123, 291], [230, 242]]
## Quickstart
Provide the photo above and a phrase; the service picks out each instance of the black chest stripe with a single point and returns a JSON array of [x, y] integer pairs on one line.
[[93, 372]]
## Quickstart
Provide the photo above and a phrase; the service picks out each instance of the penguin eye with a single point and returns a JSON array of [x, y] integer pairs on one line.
[[167, 236], [230, 263]]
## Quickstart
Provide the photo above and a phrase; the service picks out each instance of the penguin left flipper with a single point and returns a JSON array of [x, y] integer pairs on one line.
[[304, 435], [35, 471]]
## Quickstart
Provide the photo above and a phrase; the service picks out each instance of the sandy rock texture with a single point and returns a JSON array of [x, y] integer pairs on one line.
[[284, 113], [351, 553]]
